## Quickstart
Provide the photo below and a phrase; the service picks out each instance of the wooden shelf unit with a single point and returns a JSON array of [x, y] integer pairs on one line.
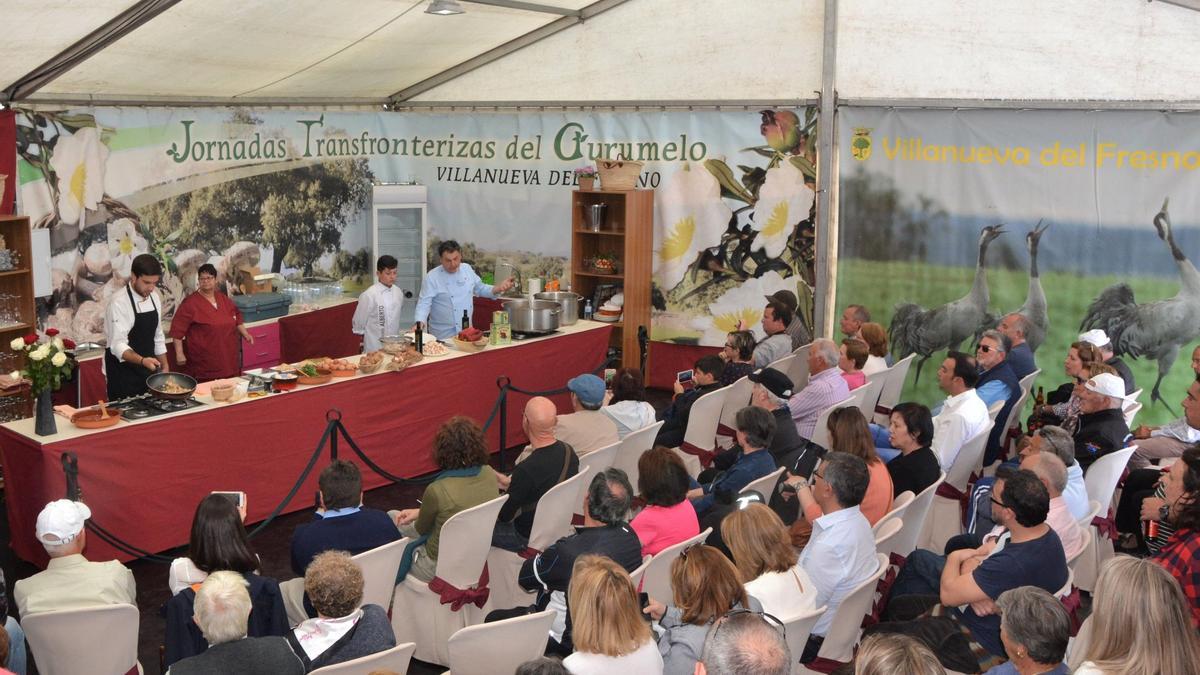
[[628, 234], [17, 283]]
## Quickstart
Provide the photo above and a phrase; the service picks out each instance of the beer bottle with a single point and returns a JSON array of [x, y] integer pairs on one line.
[[1040, 399]]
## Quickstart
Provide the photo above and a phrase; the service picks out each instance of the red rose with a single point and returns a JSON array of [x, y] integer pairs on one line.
[[51, 332], [31, 338], [68, 343]]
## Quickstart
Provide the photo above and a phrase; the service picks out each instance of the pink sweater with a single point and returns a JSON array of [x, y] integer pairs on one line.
[[875, 504], [854, 380], [660, 527]]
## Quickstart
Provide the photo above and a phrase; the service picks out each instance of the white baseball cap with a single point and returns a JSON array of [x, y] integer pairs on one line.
[[61, 521], [1107, 384], [1095, 336]]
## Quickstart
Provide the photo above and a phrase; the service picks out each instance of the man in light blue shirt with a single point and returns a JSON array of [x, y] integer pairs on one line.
[[841, 552], [449, 290]]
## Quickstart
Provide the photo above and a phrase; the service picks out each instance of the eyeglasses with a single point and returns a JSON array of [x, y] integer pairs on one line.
[[998, 503], [818, 474]]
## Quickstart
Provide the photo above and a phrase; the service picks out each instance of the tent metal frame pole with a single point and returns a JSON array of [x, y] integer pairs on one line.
[[86, 47], [1088, 105], [527, 7], [504, 106], [825, 293]]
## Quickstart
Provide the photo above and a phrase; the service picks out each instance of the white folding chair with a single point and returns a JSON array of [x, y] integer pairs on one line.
[[1026, 382], [1130, 412], [596, 461], [701, 429], [885, 531], [796, 630], [784, 365], [1013, 418], [737, 398], [889, 395], [500, 646], [765, 485], [418, 614], [994, 410], [843, 633], [820, 434], [858, 397], [867, 396], [632, 447], [1063, 592], [656, 579], [914, 520], [1087, 544], [1101, 481], [899, 505], [798, 373], [379, 567], [395, 659], [945, 514], [551, 522], [640, 572], [1085, 565], [92, 640]]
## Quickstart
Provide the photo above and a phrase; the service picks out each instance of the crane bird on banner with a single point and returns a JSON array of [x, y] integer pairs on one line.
[[1155, 330], [915, 329]]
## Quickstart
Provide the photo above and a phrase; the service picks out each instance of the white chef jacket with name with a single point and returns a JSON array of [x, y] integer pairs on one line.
[[377, 314], [119, 317], [445, 296]]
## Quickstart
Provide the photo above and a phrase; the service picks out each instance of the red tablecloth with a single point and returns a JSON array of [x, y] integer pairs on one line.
[[143, 481]]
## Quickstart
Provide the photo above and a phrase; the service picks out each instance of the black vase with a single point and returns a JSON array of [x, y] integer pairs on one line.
[[44, 424]]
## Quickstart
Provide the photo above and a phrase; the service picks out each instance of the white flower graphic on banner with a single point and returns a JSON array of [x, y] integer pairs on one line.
[[78, 162], [694, 217], [783, 201], [124, 244], [743, 303]]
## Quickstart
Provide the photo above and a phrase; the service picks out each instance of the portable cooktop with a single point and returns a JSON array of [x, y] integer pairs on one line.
[[145, 405]]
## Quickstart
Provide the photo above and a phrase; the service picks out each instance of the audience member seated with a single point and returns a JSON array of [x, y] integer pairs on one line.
[[877, 348], [222, 612], [704, 586], [551, 462], [825, 387], [71, 581], [797, 330], [1020, 357], [778, 344], [668, 518], [1102, 427], [1100, 340], [841, 552], [911, 432], [344, 629], [1035, 629], [1181, 507], [1050, 470], [738, 356], [705, 373], [1062, 404], [1168, 440], [755, 430], [543, 665], [766, 561], [610, 635], [853, 319], [1029, 554], [744, 643], [997, 383], [628, 407], [771, 392], [341, 523], [605, 532], [15, 657], [587, 429], [852, 357], [461, 454], [1056, 441], [895, 654], [1140, 623]]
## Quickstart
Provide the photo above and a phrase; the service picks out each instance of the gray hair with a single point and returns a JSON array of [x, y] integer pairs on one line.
[[1033, 618], [1002, 340], [222, 607], [1060, 442], [1051, 470], [610, 497], [828, 351], [745, 644], [775, 401], [1020, 323], [757, 424], [847, 475]]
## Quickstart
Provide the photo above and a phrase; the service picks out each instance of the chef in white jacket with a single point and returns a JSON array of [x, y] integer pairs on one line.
[[379, 306]]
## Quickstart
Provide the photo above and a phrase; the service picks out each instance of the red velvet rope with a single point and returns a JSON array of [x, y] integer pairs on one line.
[[457, 597]]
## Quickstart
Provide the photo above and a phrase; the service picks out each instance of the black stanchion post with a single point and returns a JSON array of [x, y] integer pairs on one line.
[[333, 417], [70, 464], [503, 383]]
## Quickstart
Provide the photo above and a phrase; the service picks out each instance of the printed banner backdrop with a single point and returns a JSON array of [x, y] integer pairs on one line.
[[1098, 220], [291, 192]]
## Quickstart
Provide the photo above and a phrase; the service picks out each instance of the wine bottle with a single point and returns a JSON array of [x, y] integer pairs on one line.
[[466, 320]]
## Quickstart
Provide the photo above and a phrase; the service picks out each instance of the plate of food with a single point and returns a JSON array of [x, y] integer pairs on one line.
[[470, 340], [340, 367], [370, 363], [310, 374], [434, 348]]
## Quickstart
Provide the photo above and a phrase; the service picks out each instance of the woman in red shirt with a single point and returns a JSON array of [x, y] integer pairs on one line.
[[206, 328]]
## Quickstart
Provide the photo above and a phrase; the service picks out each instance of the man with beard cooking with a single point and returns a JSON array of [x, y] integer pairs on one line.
[[133, 329], [448, 292]]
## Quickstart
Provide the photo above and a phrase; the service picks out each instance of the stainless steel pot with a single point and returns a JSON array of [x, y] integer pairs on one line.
[[533, 316], [569, 302]]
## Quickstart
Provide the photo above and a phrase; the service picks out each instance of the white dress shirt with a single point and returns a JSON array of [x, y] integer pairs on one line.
[[839, 555], [1179, 430], [962, 417], [377, 314], [1076, 495], [444, 298], [118, 321]]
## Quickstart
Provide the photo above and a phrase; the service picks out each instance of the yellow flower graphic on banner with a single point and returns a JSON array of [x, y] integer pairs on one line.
[[78, 161], [743, 303], [124, 244], [783, 201], [693, 218]]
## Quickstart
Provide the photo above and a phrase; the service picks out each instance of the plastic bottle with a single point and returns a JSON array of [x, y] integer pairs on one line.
[[587, 310]]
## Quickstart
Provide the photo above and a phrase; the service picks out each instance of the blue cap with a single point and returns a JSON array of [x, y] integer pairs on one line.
[[588, 387]]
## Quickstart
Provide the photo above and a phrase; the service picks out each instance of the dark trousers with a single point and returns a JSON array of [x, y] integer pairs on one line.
[[1139, 485], [908, 615]]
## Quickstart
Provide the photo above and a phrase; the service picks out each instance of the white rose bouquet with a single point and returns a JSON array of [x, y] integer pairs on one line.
[[49, 363]]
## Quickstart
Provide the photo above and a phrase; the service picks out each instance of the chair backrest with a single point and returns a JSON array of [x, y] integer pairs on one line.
[[465, 541], [969, 458], [1026, 382], [640, 572], [1066, 589], [820, 434], [885, 534], [379, 567], [796, 630], [1131, 399], [552, 519], [784, 365], [1130, 412], [843, 633], [994, 409], [594, 462], [395, 659], [765, 485], [656, 580], [867, 396], [858, 396], [632, 447], [1093, 511], [702, 420], [500, 646], [1013, 417], [737, 398], [914, 519], [899, 505], [1102, 476], [1087, 542], [91, 640], [889, 395], [798, 373]]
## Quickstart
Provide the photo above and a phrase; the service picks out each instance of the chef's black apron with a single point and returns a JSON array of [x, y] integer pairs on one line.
[[125, 378]]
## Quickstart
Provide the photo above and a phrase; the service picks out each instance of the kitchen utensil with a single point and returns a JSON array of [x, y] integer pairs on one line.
[[103, 409], [533, 286], [394, 344], [595, 216], [158, 382], [569, 302], [285, 381], [94, 419], [534, 317]]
